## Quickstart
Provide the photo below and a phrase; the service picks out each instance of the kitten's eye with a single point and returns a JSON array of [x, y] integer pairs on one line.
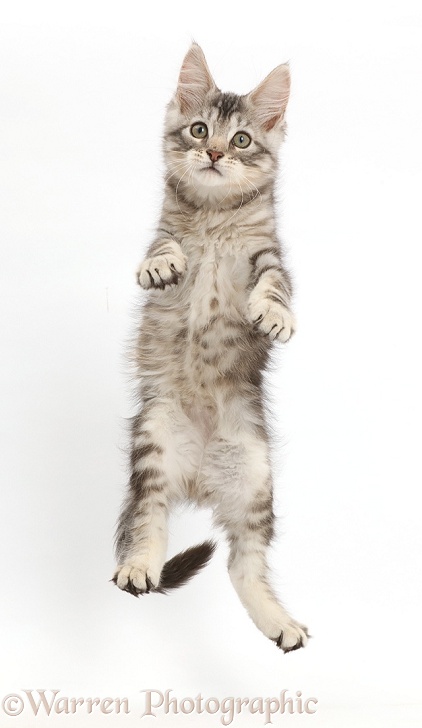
[[199, 130], [241, 140]]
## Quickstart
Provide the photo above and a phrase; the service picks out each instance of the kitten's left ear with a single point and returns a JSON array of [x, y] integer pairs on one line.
[[270, 98], [195, 80]]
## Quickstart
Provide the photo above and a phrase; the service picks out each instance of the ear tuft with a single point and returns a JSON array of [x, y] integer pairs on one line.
[[195, 80], [270, 98]]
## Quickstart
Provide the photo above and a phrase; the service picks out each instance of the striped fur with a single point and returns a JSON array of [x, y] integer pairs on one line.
[[219, 296]]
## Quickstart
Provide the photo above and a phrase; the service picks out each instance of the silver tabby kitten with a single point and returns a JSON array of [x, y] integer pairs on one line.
[[219, 296]]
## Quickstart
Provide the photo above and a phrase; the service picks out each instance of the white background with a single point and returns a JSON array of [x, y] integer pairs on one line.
[[83, 87]]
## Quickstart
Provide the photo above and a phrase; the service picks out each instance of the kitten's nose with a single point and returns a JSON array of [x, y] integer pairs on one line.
[[214, 155]]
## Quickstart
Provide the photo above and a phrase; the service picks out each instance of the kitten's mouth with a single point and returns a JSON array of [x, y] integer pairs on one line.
[[211, 168]]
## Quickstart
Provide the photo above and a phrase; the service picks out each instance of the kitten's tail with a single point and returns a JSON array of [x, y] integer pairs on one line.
[[182, 567]]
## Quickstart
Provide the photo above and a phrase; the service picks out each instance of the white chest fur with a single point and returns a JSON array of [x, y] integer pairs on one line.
[[219, 279]]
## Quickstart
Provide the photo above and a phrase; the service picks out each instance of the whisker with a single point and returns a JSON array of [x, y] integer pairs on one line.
[[252, 186], [175, 167], [230, 189], [191, 174], [177, 187], [178, 169], [241, 204]]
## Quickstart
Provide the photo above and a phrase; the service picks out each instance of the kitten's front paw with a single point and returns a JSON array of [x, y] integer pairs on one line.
[[162, 270], [136, 577], [271, 318]]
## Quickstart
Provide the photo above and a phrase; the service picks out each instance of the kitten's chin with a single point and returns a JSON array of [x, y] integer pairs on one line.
[[210, 177], [211, 187]]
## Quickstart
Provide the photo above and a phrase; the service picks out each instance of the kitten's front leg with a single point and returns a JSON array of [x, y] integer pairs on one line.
[[269, 313], [164, 266], [269, 300]]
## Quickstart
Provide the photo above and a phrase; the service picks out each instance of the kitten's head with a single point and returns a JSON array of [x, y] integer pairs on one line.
[[221, 148]]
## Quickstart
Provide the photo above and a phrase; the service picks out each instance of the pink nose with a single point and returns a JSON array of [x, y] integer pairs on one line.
[[213, 155]]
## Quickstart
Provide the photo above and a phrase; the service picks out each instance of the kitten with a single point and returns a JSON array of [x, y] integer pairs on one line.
[[219, 296]]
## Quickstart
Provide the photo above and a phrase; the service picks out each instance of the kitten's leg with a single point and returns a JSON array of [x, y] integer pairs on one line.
[[239, 467], [269, 300], [164, 459]]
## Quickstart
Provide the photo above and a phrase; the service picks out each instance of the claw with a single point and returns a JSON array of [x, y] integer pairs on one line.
[[130, 588], [297, 646], [149, 583]]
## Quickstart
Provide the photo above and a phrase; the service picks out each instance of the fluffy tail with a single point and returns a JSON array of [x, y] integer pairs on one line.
[[184, 566]]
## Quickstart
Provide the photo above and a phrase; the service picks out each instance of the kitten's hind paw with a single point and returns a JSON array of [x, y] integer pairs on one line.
[[134, 580], [292, 637]]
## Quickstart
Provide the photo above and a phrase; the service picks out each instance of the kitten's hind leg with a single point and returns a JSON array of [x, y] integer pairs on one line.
[[241, 472], [249, 575], [163, 460]]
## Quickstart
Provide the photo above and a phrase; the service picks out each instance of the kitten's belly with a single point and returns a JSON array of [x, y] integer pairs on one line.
[[200, 347], [223, 352], [216, 320], [216, 286]]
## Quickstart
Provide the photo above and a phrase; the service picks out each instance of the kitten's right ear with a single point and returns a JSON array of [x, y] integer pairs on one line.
[[195, 80]]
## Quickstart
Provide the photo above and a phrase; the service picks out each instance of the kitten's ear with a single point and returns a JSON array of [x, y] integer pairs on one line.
[[195, 80], [270, 98]]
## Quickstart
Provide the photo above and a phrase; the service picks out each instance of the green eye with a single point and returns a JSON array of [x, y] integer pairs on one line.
[[199, 130], [241, 140]]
